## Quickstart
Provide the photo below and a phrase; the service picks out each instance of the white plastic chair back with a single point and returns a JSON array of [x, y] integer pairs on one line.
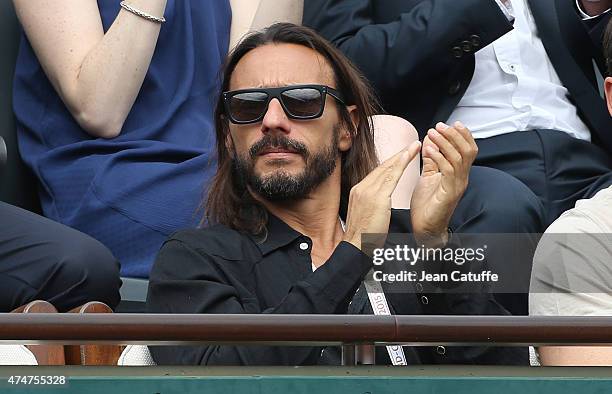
[[16, 355], [534, 358], [136, 355]]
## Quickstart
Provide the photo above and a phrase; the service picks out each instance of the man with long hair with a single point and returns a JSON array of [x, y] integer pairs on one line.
[[297, 186]]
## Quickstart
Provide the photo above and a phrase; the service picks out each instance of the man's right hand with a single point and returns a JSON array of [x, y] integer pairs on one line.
[[369, 208]]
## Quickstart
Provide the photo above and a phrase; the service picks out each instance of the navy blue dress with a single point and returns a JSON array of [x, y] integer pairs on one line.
[[132, 191]]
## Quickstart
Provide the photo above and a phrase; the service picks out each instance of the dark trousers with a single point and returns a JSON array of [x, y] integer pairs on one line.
[[497, 203], [558, 168], [42, 259]]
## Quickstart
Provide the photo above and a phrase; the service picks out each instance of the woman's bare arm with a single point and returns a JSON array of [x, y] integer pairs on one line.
[[250, 15], [243, 13], [270, 11], [97, 75]]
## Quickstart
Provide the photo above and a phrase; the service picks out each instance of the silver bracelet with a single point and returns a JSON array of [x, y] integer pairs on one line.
[[141, 14]]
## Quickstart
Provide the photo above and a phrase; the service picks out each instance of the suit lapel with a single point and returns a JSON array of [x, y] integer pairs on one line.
[[546, 18], [576, 38]]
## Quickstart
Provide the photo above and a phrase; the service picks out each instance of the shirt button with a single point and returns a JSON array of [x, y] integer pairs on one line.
[[419, 287], [476, 41], [304, 246], [457, 52], [441, 350], [424, 300], [512, 67]]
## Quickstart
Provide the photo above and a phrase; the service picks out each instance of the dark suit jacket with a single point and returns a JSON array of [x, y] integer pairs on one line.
[[419, 54]]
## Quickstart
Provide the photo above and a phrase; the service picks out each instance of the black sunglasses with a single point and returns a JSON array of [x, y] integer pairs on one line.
[[298, 101]]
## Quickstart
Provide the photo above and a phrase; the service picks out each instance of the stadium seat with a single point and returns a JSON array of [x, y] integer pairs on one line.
[[136, 355], [16, 355], [534, 357], [19, 354], [44, 354], [87, 354], [92, 354]]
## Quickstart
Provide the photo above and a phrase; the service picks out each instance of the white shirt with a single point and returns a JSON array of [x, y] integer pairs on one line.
[[516, 88]]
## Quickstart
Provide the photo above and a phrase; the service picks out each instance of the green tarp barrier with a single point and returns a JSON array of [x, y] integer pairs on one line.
[[310, 380]]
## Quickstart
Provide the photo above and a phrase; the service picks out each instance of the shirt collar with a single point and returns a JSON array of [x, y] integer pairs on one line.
[[278, 234]]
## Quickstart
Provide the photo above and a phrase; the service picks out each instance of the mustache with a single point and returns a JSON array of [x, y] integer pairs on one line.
[[280, 142]]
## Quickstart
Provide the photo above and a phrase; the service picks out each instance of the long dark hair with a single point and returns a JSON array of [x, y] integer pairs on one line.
[[607, 48], [229, 202]]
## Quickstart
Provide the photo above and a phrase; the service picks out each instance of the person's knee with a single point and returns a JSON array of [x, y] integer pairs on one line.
[[504, 204], [521, 210], [87, 271], [504, 213]]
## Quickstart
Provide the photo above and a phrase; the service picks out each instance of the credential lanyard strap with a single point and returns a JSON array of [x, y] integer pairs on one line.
[[381, 308]]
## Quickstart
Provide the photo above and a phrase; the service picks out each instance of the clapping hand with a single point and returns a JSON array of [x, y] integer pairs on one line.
[[448, 154], [369, 208]]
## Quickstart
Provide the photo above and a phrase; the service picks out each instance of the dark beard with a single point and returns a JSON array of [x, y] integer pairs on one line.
[[282, 186]]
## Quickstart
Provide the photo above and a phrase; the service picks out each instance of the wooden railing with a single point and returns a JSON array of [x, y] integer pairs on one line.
[[307, 330]]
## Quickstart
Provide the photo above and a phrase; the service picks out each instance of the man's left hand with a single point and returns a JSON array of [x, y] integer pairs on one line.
[[448, 154]]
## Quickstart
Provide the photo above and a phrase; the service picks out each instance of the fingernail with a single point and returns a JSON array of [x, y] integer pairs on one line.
[[433, 133], [441, 125]]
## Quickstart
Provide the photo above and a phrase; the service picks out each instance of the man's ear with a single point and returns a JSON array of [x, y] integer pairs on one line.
[[352, 110], [608, 91], [345, 140]]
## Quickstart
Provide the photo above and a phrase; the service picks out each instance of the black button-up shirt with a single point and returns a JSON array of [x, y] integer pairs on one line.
[[219, 270]]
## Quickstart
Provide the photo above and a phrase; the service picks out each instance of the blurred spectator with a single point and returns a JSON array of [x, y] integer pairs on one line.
[[294, 162], [572, 272], [44, 260], [518, 73]]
